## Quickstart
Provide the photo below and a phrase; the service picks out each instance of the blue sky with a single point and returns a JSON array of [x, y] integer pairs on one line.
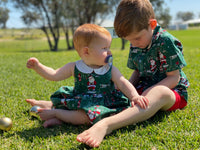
[[174, 5]]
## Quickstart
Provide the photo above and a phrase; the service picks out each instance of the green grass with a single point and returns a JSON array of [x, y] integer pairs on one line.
[[176, 130]]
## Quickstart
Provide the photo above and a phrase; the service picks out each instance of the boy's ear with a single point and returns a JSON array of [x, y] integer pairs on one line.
[[153, 23]]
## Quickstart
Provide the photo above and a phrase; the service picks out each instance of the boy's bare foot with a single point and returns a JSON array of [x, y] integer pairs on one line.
[[52, 122], [93, 136], [41, 103]]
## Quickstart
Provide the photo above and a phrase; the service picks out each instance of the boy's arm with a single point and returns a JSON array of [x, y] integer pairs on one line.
[[171, 80], [128, 89], [49, 73]]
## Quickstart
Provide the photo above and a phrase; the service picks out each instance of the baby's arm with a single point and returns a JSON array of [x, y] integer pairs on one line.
[[49, 73], [128, 89], [134, 77]]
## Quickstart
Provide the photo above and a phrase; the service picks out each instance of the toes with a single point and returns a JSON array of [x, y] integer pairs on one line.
[[79, 139], [31, 101], [88, 139], [82, 137], [94, 143]]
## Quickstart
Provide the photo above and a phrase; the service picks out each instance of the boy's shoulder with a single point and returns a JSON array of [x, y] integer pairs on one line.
[[166, 41], [163, 34]]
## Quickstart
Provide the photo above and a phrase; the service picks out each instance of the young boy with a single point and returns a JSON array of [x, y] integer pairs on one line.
[[156, 58]]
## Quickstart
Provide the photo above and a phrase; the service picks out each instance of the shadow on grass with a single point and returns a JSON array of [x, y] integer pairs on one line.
[[158, 117], [45, 133], [41, 132]]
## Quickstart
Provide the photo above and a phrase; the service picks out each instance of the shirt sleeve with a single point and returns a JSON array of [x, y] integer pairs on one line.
[[171, 55], [130, 63]]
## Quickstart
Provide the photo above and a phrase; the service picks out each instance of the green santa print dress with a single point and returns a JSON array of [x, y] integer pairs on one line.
[[94, 92]]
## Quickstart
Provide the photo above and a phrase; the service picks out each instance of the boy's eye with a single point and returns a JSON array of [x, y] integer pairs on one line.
[[137, 39]]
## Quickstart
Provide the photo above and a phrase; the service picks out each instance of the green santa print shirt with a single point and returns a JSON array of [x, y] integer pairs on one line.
[[94, 92], [163, 55]]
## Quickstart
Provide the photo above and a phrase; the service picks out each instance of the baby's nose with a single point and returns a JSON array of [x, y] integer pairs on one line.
[[109, 52]]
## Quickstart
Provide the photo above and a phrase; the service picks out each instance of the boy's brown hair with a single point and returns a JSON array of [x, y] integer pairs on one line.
[[133, 16], [85, 33]]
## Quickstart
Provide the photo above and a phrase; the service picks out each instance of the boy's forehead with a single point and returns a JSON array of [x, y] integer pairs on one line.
[[136, 34]]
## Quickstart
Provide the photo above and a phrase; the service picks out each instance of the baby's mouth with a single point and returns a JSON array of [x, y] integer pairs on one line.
[[109, 59]]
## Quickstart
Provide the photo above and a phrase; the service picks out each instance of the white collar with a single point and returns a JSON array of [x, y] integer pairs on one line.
[[81, 66]]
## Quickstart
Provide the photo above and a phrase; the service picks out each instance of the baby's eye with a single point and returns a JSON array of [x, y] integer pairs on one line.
[[105, 48]]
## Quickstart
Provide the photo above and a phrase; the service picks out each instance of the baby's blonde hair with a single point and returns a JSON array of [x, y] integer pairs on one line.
[[85, 33], [133, 16]]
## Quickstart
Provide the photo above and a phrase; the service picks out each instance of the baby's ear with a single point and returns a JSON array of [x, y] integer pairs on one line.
[[85, 50], [153, 23]]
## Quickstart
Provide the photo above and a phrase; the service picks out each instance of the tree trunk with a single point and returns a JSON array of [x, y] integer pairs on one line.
[[65, 29], [48, 38], [123, 43], [55, 36]]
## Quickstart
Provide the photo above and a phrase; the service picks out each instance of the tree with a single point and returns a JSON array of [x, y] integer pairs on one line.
[[4, 16], [45, 14], [184, 16], [51, 15], [162, 13], [76, 12]]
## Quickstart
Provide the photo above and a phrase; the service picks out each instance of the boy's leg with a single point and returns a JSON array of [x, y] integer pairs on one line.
[[160, 97], [41, 103]]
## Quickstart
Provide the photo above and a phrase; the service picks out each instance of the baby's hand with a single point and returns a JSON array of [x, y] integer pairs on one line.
[[142, 101], [32, 63]]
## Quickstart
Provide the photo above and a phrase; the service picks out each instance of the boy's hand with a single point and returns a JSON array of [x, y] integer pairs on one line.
[[32, 63], [142, 101]]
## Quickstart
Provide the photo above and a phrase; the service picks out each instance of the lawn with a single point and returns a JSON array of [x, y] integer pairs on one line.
[[175, 130]]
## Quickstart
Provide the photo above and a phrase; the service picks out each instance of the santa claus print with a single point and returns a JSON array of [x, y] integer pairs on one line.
[[91, 83], [93, 114], [79, 77], [162, 58], [152, 65]]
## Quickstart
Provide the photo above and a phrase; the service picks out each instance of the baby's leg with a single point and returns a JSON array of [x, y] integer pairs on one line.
[[160, 97], [41, 103], [75, 117], [52, 122]]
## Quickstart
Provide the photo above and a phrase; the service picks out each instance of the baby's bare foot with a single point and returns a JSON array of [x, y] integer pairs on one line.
[[52, 122], [93, 136], [41, 103]]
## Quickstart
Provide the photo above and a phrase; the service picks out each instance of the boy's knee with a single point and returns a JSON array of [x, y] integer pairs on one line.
[[161, 91]]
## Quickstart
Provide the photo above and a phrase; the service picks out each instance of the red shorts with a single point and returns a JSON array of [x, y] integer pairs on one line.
[[180, 102]]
